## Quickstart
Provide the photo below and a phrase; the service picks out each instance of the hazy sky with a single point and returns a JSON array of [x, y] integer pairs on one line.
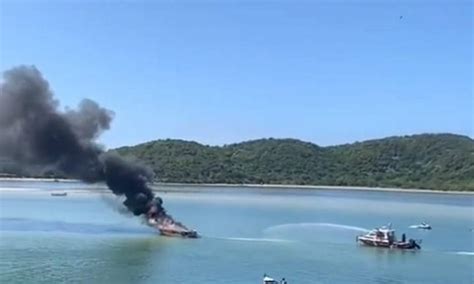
[[327, 72]]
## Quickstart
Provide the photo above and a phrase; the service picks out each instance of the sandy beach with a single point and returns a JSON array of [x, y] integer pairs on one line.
[[272, 186], [38, 179]]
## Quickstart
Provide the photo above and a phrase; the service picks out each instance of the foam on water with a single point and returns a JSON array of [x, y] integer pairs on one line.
[[258, 240], [471, 253], [292, 226], [244, 239]]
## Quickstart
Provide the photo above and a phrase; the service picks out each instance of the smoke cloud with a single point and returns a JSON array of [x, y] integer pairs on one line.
[[34, 132]]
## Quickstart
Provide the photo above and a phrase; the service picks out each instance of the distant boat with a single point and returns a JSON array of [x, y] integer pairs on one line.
[[59, 194], [268, 280], [422, 226]]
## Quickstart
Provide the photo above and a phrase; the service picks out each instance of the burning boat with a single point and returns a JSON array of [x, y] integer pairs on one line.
[[170, 228], [385, 237], [29, 104]]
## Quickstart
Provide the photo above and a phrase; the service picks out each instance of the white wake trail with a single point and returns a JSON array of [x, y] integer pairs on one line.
[[471, 253], [258, 240], [293, 226]]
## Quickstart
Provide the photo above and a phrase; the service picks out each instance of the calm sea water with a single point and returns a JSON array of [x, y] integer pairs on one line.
[[305, 236]]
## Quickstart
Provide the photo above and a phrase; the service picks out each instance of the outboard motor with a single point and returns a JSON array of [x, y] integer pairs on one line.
[[413, 244]]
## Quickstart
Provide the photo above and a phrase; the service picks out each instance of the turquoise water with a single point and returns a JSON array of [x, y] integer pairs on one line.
[[305, 236]]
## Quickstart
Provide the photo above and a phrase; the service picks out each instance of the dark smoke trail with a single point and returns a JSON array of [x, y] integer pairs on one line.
[[33, 132]]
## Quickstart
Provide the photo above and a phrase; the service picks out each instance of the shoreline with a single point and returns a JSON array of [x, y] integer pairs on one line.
[[275, 186], [38, 179], [318, 187]]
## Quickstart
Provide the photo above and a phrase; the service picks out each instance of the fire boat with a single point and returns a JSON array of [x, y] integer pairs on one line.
[[385, 237]]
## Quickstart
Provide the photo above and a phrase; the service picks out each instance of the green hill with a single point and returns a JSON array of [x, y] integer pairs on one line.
[[432, 161]]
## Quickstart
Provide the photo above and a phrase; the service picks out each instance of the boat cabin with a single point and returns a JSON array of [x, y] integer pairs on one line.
[[382, 234]]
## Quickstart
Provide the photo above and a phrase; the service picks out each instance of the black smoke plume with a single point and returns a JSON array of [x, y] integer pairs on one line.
[[34, 132]]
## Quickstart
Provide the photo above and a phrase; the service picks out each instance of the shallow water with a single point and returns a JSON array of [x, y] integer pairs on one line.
[[305, 236]]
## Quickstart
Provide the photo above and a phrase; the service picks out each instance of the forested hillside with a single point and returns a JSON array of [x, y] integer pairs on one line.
[[434, 161]]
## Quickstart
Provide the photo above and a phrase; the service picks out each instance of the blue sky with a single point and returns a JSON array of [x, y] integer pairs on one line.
[[223, 72]]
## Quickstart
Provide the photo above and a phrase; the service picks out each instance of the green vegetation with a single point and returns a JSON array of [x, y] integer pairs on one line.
[[431, 161]]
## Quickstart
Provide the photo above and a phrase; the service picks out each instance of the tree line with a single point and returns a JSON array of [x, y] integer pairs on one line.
[[427, 161]]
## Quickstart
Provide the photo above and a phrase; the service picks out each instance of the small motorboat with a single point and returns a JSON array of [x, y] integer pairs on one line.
[[422, 226], [268, 280], [59, 194], [385, 237]]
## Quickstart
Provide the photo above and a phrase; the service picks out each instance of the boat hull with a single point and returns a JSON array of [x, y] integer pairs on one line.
[[373, 243], [411, 244], [179, 234], [424, 227]]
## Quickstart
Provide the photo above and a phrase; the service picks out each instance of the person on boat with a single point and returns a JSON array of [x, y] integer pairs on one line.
[[283, 281], [404, 237]]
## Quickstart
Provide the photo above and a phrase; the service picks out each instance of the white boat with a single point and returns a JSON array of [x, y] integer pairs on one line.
[[268, 280], [422, 226], [385, 237]]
